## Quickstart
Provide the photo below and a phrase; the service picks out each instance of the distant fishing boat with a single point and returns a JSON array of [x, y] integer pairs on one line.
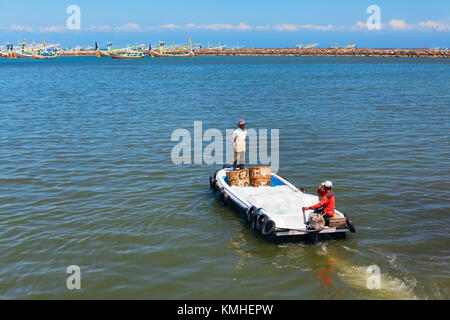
[[24, 52], [221, 46], [335, 46], [135, 52], [351, 46], [103, 53], [311, 45], [163, 51], [127, 55], [439, 48], [171, 54], [7, 51], [3, 53], [45, 55], [41, 51]]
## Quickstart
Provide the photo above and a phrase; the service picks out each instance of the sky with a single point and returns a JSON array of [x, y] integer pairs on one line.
[[249, 23]]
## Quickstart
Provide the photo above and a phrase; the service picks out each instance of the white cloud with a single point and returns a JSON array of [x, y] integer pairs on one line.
[[429, 24], [286, 27], [218, 26], [16, 27], [294, 27], [434, 25], [319, 28], [394, 24], [103, 28], [129, 27], [52, 29], [359, 26], [362, 26], [170, 26], [399, 25], [243, 27]]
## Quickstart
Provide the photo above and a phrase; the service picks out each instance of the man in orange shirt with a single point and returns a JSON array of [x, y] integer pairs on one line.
[[325, 206]]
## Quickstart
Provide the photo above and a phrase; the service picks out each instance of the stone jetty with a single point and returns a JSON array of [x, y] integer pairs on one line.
[[328, 52]]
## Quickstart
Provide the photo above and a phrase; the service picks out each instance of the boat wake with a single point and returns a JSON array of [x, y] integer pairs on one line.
[[396, 287]]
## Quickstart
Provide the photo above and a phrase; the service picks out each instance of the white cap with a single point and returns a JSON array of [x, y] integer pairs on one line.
[[327, 184]]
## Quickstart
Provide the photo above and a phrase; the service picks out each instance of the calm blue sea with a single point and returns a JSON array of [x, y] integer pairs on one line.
[[87, 179]]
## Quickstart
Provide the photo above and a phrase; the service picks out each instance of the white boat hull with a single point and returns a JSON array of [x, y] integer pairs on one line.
[[23, 56], [289, 226]]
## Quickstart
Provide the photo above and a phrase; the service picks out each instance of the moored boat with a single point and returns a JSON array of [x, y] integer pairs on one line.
[[41, 51], [23, 51], [45, 55], [102, 54], [127, 55], [8, 52], [171, 54], [24, 54], [134, 52], [284, 222], [174, 51]]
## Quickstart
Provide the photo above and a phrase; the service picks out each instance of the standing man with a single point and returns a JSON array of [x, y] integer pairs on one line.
[[325, 206], [238, 140]]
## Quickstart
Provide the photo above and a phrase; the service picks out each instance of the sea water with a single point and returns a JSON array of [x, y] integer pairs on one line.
[[87, 179]]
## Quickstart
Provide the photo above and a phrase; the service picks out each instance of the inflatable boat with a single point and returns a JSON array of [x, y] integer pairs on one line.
[[275, 211]]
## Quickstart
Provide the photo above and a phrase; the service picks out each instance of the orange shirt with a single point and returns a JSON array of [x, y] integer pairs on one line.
[[328, 203]]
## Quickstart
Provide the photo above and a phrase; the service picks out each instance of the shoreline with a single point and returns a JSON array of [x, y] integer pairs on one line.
[[313, 52]]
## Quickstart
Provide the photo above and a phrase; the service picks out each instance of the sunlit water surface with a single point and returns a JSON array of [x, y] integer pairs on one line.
[[86, 177]]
